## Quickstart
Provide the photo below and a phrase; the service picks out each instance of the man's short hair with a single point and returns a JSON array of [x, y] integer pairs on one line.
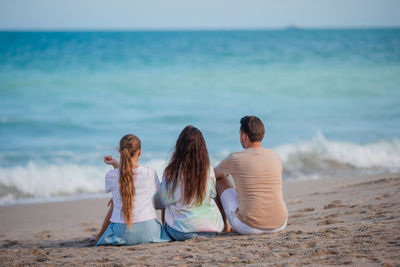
[[253, 127]]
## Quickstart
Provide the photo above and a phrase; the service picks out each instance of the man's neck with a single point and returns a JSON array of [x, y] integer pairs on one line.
[[254, 145]]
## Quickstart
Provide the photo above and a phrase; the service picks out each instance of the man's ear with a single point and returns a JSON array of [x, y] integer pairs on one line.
[[139, 152], [245, 137]]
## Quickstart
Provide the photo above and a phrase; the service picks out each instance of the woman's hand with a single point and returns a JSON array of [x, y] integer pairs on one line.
[[110, 203], [110, 161]]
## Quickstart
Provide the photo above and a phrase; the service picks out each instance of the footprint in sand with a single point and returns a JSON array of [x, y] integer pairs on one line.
[[40, 254], [90, 229], [295, 201], [293, 235], [43, 235], [334, 215], [383, 196], [306, 210], [41, 258], [333, 204], [10, 243], [324, 252], [329, 221], [328, 233], [296, 215]]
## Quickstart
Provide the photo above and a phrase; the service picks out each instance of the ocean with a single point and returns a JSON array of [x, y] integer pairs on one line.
[[330, 101]]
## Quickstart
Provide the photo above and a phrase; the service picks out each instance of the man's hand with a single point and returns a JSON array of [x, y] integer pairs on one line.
[[110, 161]]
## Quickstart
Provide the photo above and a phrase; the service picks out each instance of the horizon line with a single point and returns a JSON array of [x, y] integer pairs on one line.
[[127, 29]]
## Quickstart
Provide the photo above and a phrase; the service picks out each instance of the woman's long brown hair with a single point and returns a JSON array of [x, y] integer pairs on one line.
[[128, 147], [189, 165]]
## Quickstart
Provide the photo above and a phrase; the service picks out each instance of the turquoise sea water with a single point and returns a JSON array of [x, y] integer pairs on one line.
[[330, 100]]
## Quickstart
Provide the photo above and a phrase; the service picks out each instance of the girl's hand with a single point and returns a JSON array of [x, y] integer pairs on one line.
[[109, 160]]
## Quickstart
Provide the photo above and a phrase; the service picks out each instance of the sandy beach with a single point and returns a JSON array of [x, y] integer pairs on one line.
[[333, 221]]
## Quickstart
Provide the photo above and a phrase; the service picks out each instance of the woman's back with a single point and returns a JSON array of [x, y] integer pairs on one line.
[[188, 189], [189, 218]]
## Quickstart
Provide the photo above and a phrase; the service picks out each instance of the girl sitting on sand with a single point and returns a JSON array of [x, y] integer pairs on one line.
[[188, 189], [133, 219]]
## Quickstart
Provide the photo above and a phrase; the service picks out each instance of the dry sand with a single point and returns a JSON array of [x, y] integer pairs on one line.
[[340, 220]]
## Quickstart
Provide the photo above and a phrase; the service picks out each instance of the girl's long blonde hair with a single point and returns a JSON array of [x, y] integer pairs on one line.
[[128, 147]]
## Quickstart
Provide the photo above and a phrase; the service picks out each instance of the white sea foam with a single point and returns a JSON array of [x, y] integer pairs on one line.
[[39, 182], [321, 155]]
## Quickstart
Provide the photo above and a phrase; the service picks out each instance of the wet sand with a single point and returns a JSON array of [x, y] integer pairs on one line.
[[337, 220]]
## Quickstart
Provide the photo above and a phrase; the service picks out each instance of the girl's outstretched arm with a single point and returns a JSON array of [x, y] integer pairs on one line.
[[106, 220], [110, 161]]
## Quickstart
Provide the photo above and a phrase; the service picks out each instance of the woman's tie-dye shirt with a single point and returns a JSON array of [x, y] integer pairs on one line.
[[192, 218]]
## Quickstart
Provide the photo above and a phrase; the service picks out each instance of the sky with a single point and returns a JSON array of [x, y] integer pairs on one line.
[[200, 14]]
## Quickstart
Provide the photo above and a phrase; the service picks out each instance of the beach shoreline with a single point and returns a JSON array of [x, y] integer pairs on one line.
[[333, 220]]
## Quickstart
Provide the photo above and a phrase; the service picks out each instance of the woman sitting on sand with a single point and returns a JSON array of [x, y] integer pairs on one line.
[[188, 189], [133, 220]]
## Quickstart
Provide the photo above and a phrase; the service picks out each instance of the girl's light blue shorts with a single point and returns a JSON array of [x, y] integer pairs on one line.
[[118, 234]]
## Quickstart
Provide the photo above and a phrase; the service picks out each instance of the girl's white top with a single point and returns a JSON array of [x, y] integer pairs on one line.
[[146, 184]]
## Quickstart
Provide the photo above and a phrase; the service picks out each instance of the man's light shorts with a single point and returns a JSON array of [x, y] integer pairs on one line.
[[230, 203]]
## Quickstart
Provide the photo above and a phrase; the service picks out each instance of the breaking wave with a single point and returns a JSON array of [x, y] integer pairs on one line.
[[39, 182]]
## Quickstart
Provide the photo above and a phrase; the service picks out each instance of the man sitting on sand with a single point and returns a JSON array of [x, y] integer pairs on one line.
[[256, 206]]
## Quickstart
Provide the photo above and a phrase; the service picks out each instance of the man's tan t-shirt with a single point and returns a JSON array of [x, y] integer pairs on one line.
[[257, 173]]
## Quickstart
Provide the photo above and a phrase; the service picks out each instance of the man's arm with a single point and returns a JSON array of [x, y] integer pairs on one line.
[[224, 168], [222, 183], [218, 173]]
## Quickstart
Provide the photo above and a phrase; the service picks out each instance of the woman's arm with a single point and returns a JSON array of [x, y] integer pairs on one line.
[[163, 198], [163, 216]]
